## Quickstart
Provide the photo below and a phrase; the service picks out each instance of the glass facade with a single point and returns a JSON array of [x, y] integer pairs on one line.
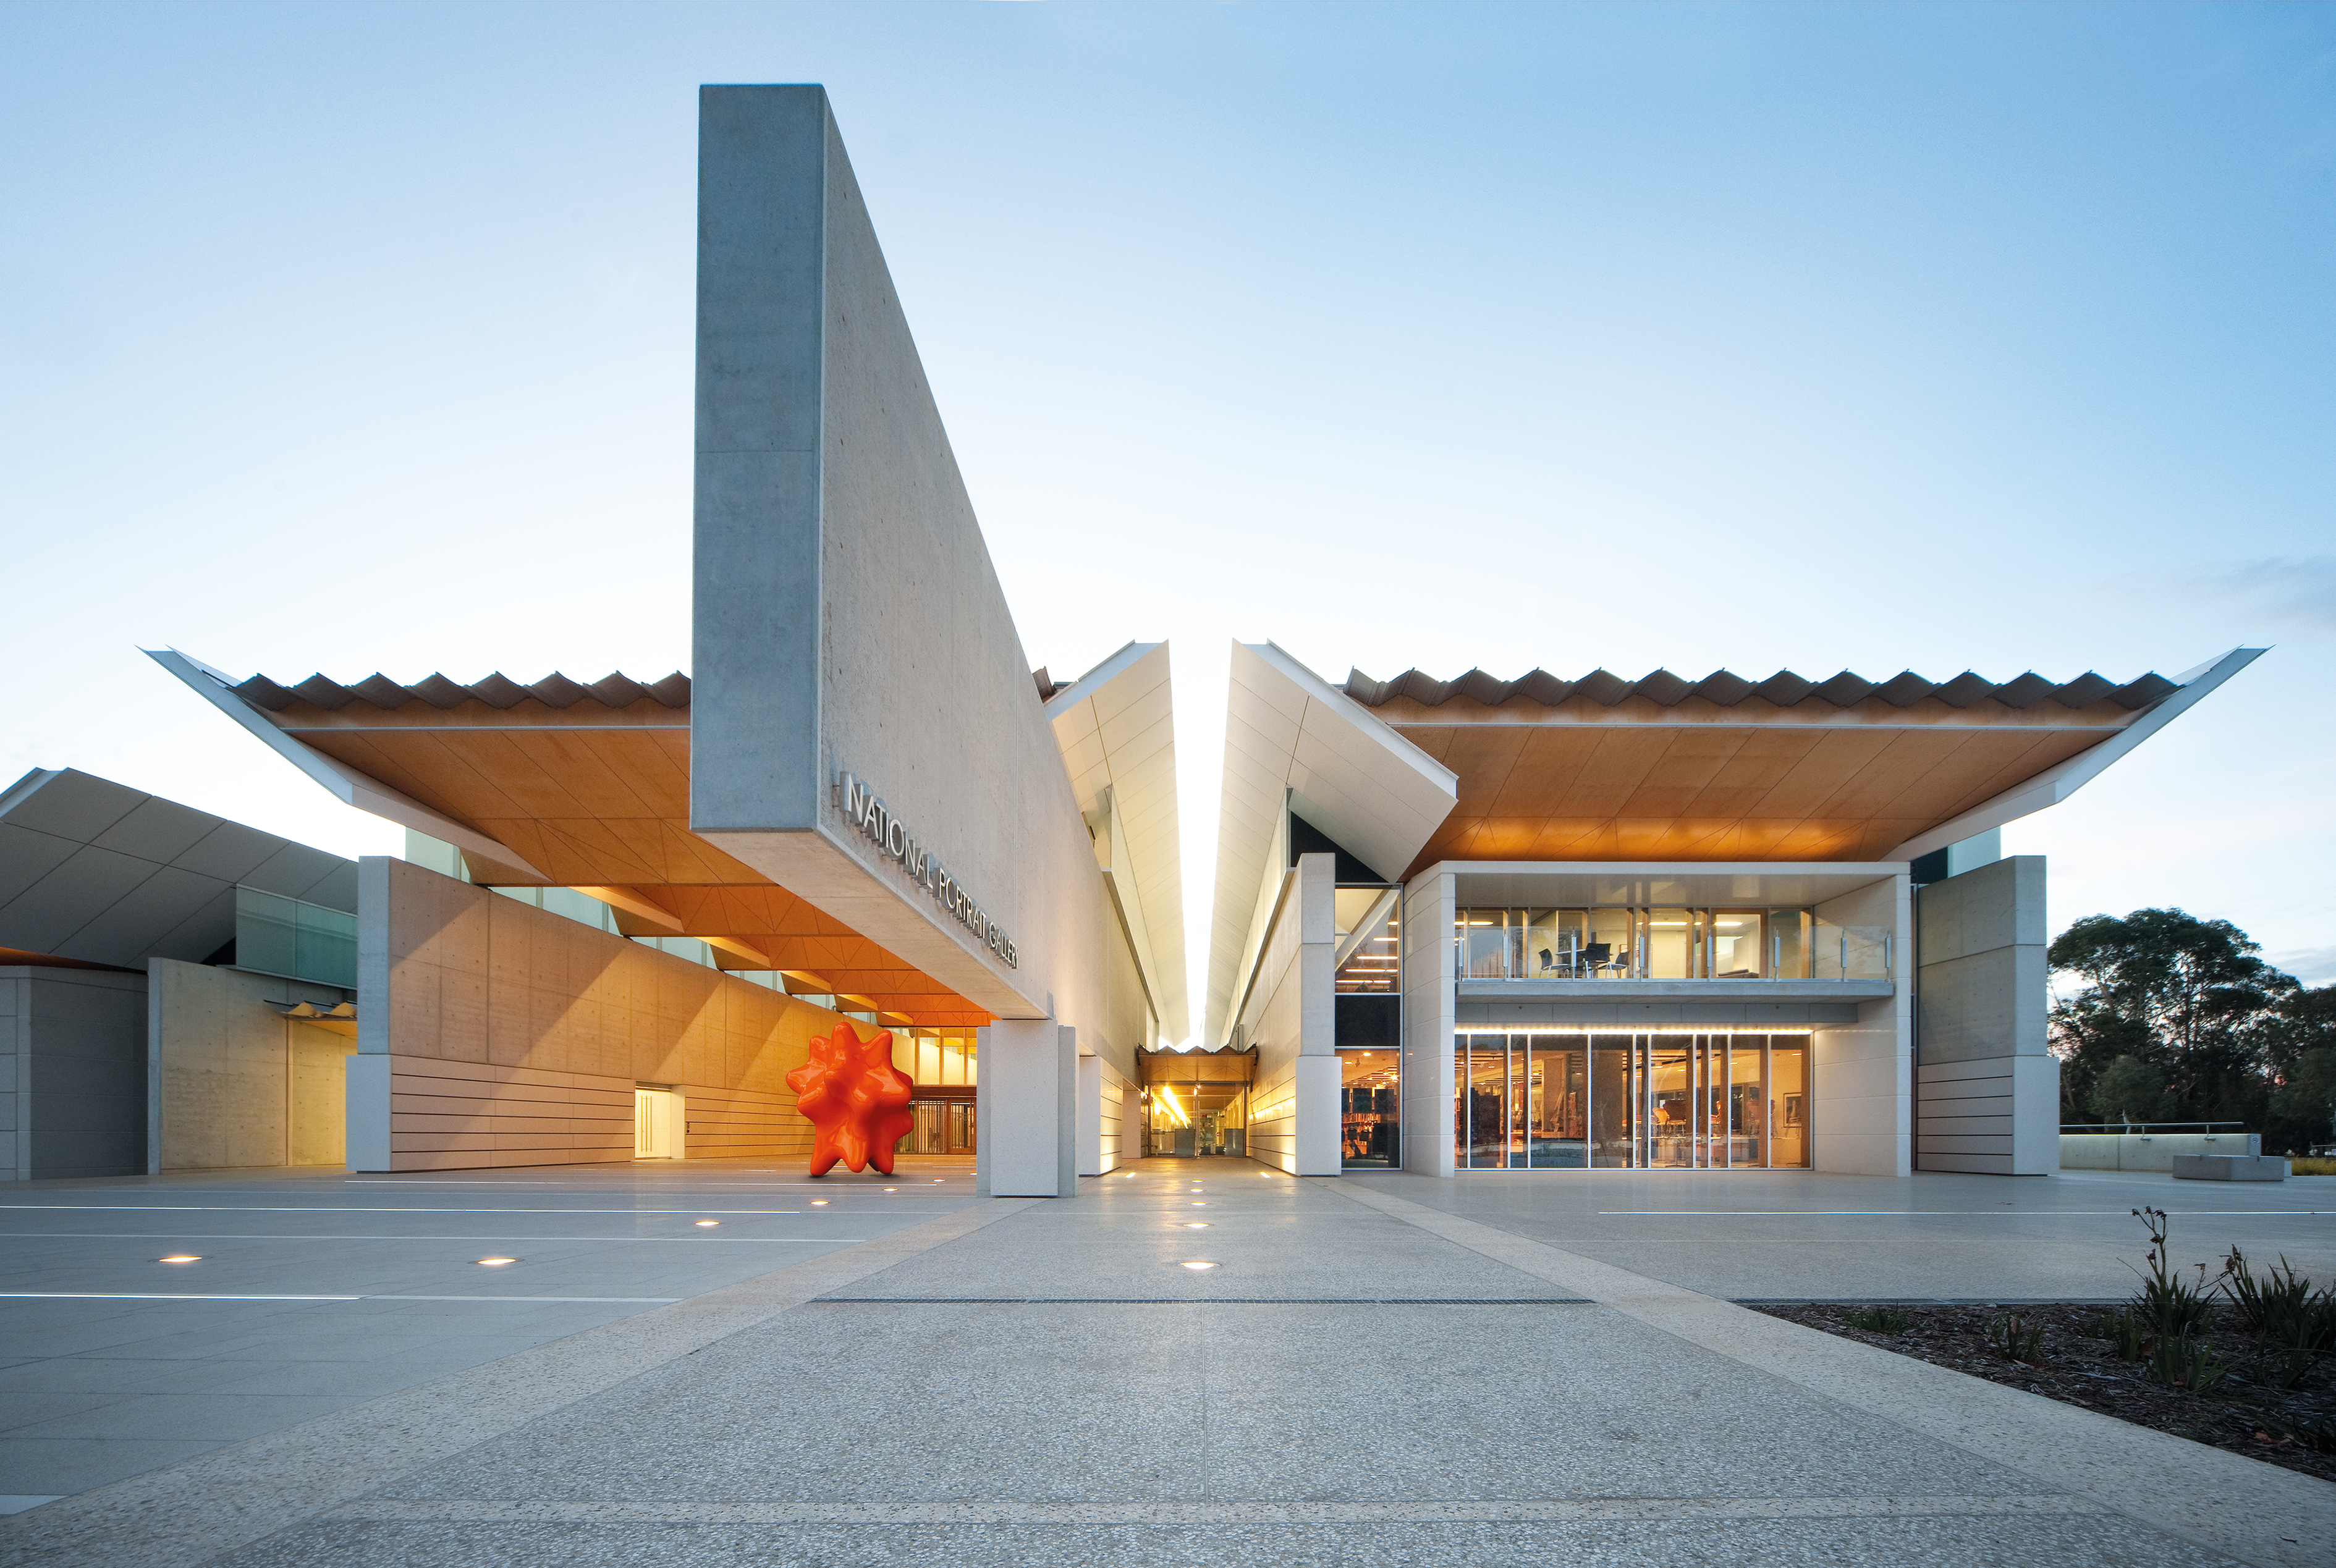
[[1370, 1109], [1557, 1100], [945, 1070], [1660, 944], [1195, 1119], [278, 935]]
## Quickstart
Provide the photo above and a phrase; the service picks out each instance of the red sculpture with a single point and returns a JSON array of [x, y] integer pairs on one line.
[[857, 1100]]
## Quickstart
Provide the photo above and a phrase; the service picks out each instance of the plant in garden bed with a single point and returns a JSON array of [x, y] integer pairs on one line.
[[1880, 1321], [2016, 1340], [2295, 1326]]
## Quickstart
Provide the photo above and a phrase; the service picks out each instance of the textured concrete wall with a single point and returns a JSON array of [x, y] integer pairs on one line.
[[1988, 1096], [515, 1037], [848, 615], [1290, 1016], [233, 1083], [1429, 1020], [74, 1072], [1861, 1074], [1026, 1105]]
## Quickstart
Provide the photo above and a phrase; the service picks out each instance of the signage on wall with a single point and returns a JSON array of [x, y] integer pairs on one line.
[[875, 822]]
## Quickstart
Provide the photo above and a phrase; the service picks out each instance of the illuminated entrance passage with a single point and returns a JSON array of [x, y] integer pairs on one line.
[[1552, 1100], [945, 1069], [1196, 1102]]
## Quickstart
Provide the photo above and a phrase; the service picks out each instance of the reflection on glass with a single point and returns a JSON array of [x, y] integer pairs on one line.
[[1788, 1104], [1670, 947], [1484, 943], [1558, 1136], [1613, 1124], [1373, 960], [1746, 1102], [1712, 1102], [1483, 1101], [1789, 943], [1610, 951], [1553, 941], [1370, 1101], [1739, 945], [1671, 1121]]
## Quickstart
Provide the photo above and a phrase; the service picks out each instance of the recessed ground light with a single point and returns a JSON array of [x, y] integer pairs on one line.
[[1200, 1205], [497, 1263], [1198, 1267], [181, 1258], [1196, 1224], [819, 1202], [703, 1222], [891, 1189]]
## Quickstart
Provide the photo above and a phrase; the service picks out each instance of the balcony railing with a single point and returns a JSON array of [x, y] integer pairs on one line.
[[1607, 944]]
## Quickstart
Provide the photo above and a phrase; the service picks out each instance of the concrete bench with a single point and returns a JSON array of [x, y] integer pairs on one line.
[[2229, 1167]]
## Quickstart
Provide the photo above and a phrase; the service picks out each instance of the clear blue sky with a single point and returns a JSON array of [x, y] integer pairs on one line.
[[358, 336]]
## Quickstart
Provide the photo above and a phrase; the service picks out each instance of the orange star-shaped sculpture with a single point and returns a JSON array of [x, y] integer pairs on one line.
[[857, 1100]]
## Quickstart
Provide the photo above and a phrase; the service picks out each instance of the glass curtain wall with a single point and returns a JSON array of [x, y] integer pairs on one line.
[[1654, 943], [1557, 1100], [1370, 1108]]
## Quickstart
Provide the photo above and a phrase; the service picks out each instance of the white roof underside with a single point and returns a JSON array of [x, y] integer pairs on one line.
[[1290, 735], [1114, 726]]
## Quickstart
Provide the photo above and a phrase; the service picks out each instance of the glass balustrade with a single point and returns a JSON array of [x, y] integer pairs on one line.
[[1665, 943]]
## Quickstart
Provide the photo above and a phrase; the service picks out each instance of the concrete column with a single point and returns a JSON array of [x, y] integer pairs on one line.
[[1430, 999], [1090, 1116], [1987, 1088], [1026, 1109], [1317, 1086]]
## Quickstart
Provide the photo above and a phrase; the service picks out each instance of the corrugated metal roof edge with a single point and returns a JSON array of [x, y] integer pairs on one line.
[[497, 690], [1784, 690]]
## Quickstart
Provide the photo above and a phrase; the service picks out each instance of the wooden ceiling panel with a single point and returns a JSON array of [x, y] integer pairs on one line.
[[607, 808], [1718, 790]]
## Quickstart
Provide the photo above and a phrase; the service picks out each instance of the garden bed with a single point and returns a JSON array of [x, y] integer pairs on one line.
[[2244, 1413]]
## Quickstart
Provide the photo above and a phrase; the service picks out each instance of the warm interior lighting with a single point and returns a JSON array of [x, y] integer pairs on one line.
[[1174, 1109], [496, 1263], [703, 1222], [181, 1258]]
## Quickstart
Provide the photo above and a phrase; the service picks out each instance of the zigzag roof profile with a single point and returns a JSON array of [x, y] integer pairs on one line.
[[1782, 689], [496, 690]]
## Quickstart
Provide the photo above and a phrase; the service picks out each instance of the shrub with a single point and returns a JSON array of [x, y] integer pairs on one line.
[[1880, 1321], [2312, 1165], [2168, 1305], [2016, 1340], [2180, 1363]]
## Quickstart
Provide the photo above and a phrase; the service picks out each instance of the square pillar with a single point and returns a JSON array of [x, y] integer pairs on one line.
[[1026, 1108]]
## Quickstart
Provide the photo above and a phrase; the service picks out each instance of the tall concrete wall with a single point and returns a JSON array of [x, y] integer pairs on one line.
[[847, 616], [1861, 1074], [493, 1033], [73, 1072], [1987, 1089], [233, 1083], [1430, 993]]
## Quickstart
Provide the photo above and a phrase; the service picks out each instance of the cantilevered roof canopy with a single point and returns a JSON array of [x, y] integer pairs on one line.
[[1117, 731], [95, 872], [1723, 769], [563, 784], [1294, 742]]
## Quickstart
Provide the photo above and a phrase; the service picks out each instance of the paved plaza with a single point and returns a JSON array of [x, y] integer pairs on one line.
[[1377, 1369]]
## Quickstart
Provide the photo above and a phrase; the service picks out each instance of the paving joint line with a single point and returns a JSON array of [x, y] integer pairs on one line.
[[1465, 1510]]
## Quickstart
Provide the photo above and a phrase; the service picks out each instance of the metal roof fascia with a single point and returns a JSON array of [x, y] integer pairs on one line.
[[345, 782], [2057, 783]]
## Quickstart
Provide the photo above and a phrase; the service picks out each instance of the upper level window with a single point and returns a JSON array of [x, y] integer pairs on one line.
[[1641, 942]]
